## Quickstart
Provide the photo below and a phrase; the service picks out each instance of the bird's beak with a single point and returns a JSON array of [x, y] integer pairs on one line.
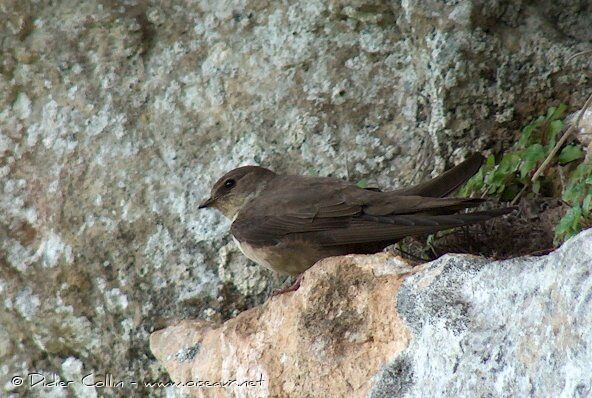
[[206, 203]]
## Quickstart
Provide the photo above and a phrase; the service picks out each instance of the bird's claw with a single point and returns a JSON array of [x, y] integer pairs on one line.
[[292, 288]]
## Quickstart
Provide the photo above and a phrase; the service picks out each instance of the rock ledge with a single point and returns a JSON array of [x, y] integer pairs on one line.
[[374, 326]]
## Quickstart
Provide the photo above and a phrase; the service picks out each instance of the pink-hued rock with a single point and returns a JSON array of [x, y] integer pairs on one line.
[[327, 339]]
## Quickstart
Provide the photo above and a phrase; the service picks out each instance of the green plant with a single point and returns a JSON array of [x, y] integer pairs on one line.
[[363, 183], [511, 174], [578, 195]]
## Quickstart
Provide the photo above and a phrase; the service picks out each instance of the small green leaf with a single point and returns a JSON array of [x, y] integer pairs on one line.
[[477, 180], [586, 206], [569, 224], [496, 178], [577, 217], [490, 162], [474, 184], [509, 163], [570, 153], [363, 183], [573, 193], [534, 152], [559, 112], [555, 128], [530, 157], [579, 173], [551, 112], [525, 136]]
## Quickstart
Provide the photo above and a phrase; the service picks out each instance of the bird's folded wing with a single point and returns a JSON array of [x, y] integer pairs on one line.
[[351, 201], [270, 230], [394, 228], [389, 204], [331, 231], [330, 212]]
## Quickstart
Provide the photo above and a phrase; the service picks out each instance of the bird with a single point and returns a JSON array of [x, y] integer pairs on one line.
[[287, 223]]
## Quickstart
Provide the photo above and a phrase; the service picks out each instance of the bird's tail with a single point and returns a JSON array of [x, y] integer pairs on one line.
[[448, 182]]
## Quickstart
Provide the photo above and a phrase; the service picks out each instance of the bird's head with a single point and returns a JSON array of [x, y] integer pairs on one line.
[[236, 188]]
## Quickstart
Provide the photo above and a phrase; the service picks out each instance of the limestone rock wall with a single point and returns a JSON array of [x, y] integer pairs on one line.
[[116, 117], [371, 326]]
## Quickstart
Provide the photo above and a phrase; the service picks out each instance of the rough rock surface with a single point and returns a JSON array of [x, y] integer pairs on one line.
[[459, 326], [519, 327], [116, 117], [332, 335]]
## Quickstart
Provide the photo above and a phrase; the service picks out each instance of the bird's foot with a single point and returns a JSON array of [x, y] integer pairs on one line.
[[292, 288]]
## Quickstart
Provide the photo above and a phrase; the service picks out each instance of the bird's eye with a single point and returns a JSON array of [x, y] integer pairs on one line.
[[229, 183]]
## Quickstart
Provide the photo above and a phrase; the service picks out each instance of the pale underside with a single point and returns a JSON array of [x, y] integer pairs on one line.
[[293, 257]]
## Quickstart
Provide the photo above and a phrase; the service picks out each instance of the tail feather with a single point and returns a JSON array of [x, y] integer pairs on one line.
[[440, 220], [367, 229], [448, 182]]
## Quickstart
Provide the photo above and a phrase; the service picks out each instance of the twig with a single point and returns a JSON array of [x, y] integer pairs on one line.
[[513, 202], [563, 138], [422, 162], [413, 256], [552, 154], [541, 252], [577, 55], [560, 143]]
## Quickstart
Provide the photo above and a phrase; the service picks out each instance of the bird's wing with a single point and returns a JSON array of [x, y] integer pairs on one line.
[[447, 182], [332, 212], [314, 207], [391, 229]]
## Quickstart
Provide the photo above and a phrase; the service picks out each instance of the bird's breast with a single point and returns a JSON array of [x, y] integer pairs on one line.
[[257, 255], [291, 258]]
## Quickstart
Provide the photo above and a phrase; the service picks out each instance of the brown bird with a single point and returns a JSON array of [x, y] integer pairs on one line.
[[289, 222]]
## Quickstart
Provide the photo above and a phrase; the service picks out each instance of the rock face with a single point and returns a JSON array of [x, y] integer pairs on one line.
[[117, 116], [371, 326], [333, 334]]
